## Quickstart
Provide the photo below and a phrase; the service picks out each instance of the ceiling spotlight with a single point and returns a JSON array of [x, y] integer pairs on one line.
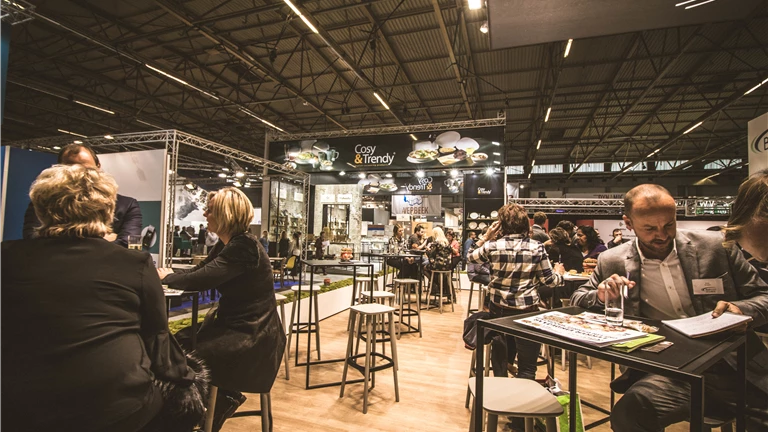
[[454, 173], [475, 4], [77, 142], [489, 171], [568, 48], [388, 175], [419, 174], [109, 137], [237, 184], [361, 175], [57, 147], [496, 143], [342, 173], [522, 186], [484, 27], [225, 169], [222, 175], [413, 137], [239, 174], [247, 185]]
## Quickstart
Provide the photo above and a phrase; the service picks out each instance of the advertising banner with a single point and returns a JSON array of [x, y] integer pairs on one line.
[[757, 139], [420, 205], [484, 186], [428, 185], [462, 148]]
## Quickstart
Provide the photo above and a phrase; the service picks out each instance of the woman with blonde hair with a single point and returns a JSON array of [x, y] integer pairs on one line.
[[241, 339], [748, 223], [85, 331], [439, 255]]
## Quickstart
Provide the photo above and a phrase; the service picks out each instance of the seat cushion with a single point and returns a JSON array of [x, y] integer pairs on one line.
[[517, 397]]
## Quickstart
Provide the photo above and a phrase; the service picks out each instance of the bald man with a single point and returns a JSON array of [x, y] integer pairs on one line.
[[664, 265], [128, 219]]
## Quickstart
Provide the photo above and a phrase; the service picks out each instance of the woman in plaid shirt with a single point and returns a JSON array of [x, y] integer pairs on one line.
[[518, 266]]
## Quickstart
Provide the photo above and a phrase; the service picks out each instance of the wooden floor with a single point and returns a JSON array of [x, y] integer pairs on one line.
[[433, 376]]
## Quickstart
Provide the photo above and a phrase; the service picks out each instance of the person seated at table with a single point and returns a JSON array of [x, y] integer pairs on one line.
[[284, 245], [439, 258], [748, 223], [560, 250], [417, 241], [663, 263], [453, 243], [84, 324], [589, 242], [570, 228], [538, 232], [518, 267], [407, 267], [241, 339]]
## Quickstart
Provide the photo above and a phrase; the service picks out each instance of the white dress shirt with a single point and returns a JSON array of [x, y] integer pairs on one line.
[[663, 289]]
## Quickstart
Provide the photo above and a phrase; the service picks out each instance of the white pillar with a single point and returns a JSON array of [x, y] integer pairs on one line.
[[757, 140]]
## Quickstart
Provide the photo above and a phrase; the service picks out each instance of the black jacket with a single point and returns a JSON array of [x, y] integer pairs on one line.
[[127, 220], [242, 341], [84, 330], [569, 255]]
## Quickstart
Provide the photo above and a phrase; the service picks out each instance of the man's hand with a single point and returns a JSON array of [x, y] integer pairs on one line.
[[493, 231], [612, 286], [723, 307], [163, 272], [110, 237], [559, 269]]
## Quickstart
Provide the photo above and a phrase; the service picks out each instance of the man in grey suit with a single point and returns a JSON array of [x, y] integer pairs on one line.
[[664, 267], [537, 231]]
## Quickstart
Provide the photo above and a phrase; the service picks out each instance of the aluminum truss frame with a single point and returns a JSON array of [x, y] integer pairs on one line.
[[386, 130], [599, 206]]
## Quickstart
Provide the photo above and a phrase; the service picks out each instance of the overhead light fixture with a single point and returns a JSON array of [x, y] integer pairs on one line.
[[497, 162], [546, 117], [71, 133], [756, 87], [180, 81], [148, 124], [381, 100], [654, 152], [484, 27], [361, 175], [94, 107], [419, 174], [496, 154], [388, 175], [237, 184], [699, 4], [300, 15], [260, 119], [190, 186], [496, 143], [538, 146], [108, 137], [685, 3], [692, 128], [568, 48], [414, 137], [454, 173], [522, 186], [489, 171], [56, 147], [475, 4], [77, 142], [342, 173], [225, 169], [529, 175], [222, 175], [239, 174], [533, 163]]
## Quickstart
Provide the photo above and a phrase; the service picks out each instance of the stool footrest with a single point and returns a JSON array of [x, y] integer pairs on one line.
[[247, 413], [361, 368]]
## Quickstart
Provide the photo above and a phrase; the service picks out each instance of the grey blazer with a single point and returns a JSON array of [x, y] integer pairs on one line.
[[702, 256], [539, 234]]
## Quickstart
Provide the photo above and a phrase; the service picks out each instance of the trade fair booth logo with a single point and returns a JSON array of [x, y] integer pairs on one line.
[[365, 155], [761, 142]]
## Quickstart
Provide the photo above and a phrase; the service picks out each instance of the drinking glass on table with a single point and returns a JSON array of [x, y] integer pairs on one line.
[[134, 242], [614, 307]]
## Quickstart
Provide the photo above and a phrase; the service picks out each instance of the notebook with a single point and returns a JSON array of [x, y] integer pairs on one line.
[[634, 344], [705, 324]]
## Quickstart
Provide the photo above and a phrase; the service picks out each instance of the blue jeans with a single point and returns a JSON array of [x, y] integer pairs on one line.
[[526, 351]]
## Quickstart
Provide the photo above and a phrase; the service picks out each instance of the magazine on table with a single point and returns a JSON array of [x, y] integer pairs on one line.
[[577, 328]]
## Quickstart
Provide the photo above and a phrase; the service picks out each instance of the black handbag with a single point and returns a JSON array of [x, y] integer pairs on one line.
[[184, 404]]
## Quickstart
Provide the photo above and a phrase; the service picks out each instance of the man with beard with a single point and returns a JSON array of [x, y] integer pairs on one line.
[[662, 265]]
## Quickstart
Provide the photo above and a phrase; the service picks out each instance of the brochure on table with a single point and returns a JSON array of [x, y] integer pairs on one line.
[[576, 328]]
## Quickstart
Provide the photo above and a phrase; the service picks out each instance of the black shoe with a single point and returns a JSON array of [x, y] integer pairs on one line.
[[227, 402], [516, 424]]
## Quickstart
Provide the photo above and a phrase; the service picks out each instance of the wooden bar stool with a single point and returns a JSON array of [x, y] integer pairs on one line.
[[403, 288], [265, 412], [371, 314], [486, 369], [364, 285], [480, 294], [517, 398], [281, 299], [444, 275], [308, 327]]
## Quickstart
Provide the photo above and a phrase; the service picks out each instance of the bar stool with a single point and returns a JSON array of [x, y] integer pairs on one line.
[[480, 294], [725, 425], [443, 275], [517, 398], [265, 412], [372, 313], [403, 289], [486, 369], [309, 327], [280, 300], [363, 284], [456, 276]]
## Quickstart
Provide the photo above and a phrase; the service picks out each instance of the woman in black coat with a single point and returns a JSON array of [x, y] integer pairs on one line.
[[560, 250], [84, 325], [242, 339]]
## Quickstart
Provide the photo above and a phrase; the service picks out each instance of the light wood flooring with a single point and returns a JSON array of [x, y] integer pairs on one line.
[[433, 378]]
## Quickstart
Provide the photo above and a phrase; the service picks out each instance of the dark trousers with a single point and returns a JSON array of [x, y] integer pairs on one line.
[[655, 402], [505, 350]]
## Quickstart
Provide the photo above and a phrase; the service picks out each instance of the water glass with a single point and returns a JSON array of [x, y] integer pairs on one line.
[[614, 309], [134, 242]]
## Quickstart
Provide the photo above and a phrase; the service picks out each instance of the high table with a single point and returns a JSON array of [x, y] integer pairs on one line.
[[686, 360], [312, 264], [195, 309], [387, 256]]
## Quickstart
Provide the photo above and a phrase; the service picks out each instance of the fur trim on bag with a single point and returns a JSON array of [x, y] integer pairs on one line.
[[184, 405]]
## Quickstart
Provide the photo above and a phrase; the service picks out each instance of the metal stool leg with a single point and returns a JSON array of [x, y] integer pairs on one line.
[[214, 391], [352, 316], [396, 365], [317, 323], [287, 345], [266, 412], [469, 304]]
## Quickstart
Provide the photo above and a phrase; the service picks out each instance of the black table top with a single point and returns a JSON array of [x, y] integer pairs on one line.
[[394, 255], [687, 355], [337, 263]]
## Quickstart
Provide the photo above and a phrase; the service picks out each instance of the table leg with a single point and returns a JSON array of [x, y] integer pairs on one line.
[[297, 306], [572, 388], [309, 322], [697, 404], [370, 274], [479, 373], [384, 266], [741, 359], [195, 308]]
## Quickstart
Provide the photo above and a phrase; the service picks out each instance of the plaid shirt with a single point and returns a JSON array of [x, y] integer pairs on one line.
[[518, 266]]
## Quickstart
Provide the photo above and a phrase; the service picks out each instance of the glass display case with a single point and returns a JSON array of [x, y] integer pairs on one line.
[[336, 222], [286, 209]]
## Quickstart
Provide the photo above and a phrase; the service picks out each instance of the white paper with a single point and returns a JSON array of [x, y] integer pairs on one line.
[[706, 324], [575, 328]]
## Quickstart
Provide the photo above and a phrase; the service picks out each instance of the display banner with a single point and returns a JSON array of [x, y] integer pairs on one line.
[[757, 139], [484, 186], [420, 205], [461, 148], [409, 185], [23, 167]]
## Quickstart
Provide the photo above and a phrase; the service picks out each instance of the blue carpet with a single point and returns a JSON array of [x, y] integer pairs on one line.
[[186, 302]]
